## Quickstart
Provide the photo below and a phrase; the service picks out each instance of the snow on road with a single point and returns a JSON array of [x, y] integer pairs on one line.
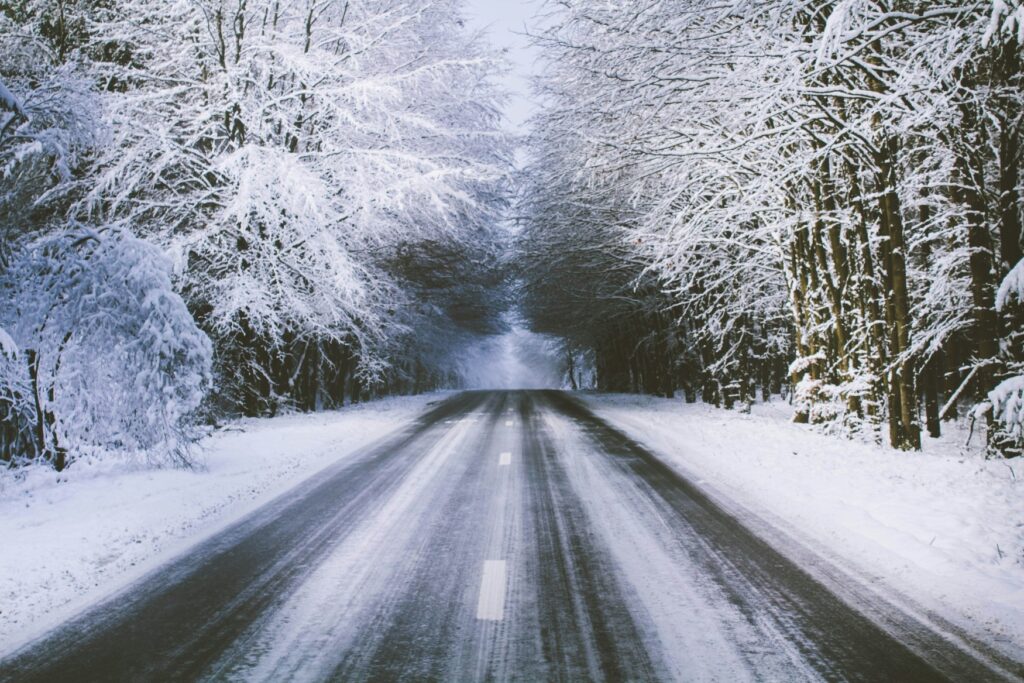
[[683, 613], [941, 532], [944, 527], [64, 544]]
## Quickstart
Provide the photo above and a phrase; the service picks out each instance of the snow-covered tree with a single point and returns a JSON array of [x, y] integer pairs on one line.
[[106, 357], [830, 183], [49, 124], [327, 178], [286, 154]]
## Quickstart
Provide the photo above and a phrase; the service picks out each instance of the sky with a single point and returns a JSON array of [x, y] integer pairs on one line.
[[505, 21]]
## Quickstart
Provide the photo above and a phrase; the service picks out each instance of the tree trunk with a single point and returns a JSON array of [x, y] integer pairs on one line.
[[985, 331], [909, 433]]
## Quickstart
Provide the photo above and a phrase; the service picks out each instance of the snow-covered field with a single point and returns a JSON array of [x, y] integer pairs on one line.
[[943, 528], [65, 544]]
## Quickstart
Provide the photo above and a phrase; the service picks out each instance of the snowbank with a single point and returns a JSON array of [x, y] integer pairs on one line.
[[943, 528], [68, 539]]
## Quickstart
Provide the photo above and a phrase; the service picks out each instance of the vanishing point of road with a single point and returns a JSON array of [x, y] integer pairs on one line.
[[503, 536]]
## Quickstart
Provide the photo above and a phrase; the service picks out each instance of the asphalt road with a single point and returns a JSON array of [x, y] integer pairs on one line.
[[504, 536]]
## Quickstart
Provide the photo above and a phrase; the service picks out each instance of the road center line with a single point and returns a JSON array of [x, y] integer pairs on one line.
[[508, 423], [505, 459], [491, 605]]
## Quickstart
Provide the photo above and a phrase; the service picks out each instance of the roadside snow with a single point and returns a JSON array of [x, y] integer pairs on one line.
[[67, 540], [944, 528]]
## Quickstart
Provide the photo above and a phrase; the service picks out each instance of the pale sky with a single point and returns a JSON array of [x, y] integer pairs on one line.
[[504, 21]]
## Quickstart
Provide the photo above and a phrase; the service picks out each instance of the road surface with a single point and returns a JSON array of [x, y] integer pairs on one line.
[[504, 536]]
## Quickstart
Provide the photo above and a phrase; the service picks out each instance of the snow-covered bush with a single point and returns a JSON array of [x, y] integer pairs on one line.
[[1011, 291], [1007, 399], [108, 356]]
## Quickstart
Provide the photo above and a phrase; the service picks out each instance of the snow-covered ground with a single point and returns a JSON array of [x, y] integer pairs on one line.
[[64, 544], [943, 528]]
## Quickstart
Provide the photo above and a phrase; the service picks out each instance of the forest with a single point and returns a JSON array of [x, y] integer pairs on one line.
[[223, 207], [212, 208], [820, 199]]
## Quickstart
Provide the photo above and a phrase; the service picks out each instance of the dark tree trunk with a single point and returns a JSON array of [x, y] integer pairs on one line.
[[32, 357], [931, 377], [1009, 199], [985, 331], [908, 433]]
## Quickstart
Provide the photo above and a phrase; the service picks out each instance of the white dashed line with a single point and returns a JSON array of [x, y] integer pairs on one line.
[[508, 423], [492, 591], [505, 459]]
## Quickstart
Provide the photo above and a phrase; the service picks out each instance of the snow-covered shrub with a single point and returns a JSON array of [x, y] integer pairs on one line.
[[1011, 291], [1007, 399], [108, 357], [831, 406], [1008, 408]]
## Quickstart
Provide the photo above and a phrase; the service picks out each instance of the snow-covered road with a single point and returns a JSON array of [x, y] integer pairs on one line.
[[505, 535]]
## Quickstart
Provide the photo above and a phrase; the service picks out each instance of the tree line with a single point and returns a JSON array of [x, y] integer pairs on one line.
[[215, 207], [821, 197]]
